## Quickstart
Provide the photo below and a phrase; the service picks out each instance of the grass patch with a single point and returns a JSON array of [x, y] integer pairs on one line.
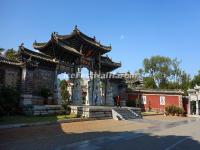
[[33, 119], [146, 113]]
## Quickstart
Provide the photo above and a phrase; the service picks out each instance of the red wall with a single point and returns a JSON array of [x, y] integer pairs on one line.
[[153, 101]]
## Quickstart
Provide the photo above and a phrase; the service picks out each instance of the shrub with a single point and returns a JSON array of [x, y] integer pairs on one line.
[[172, 110], [130, 103], [45, 93], [9, 100], [65, 97]]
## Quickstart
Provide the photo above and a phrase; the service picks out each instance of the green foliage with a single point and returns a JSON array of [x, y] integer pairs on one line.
[[64, 91], [11, 54], [1, 50], [164, 73], [185, 82], [149, 83], [16, 119], [132, 81], [161, 69], [174, 110], [65, 96], [131, 103], [195, 80], [45, 92], [9, 100]]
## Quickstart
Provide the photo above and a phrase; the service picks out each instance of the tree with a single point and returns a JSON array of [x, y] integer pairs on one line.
[[132, 80], [45, 93], [1, 50], [11, 54], [196, 80], [9, 100], [149, 83], [185, 82], [160, 71], [65, 96]]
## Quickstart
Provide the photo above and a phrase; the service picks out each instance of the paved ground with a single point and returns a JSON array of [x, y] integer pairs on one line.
[[155, 132]]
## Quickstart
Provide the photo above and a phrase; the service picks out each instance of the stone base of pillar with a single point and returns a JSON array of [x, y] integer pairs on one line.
[[26, 99]]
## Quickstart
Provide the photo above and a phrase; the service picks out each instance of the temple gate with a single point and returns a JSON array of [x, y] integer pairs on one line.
[[62, 54]]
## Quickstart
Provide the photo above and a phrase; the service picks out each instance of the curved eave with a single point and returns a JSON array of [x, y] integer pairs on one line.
[[96, 44], [25, 51], [55, 40], [108, 67], [85, 38], [9, 62], [70, 49], [40, 46], [117, 65], [41, 54]]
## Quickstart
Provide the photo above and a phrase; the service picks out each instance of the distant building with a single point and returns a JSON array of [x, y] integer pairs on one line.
[[155, 100], [194, 101]]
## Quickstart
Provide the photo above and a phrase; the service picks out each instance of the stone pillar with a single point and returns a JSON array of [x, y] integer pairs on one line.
[[109, 94], [123, 97], [197, 107], [77, 92], [94, 92], [57, 96], [26, 86], [189, 107]]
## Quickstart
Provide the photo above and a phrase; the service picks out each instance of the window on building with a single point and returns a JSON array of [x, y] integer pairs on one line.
[[162, 100], [144, 100]]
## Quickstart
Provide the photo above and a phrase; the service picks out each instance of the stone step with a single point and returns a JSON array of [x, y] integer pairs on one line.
[[125, 114]]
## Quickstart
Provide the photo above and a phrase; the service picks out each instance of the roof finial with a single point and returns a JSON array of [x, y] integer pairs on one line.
[[21, 46], [94, 38], [52, 34], [35, 41], [76, 27]]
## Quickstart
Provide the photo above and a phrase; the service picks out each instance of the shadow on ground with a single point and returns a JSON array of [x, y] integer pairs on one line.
[[59, 137]]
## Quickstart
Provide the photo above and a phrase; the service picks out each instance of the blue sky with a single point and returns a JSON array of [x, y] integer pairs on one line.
[[136, 29]]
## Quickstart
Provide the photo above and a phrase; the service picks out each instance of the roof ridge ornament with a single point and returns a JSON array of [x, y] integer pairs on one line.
[[75, 28], [21, 46], [54, 35]]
